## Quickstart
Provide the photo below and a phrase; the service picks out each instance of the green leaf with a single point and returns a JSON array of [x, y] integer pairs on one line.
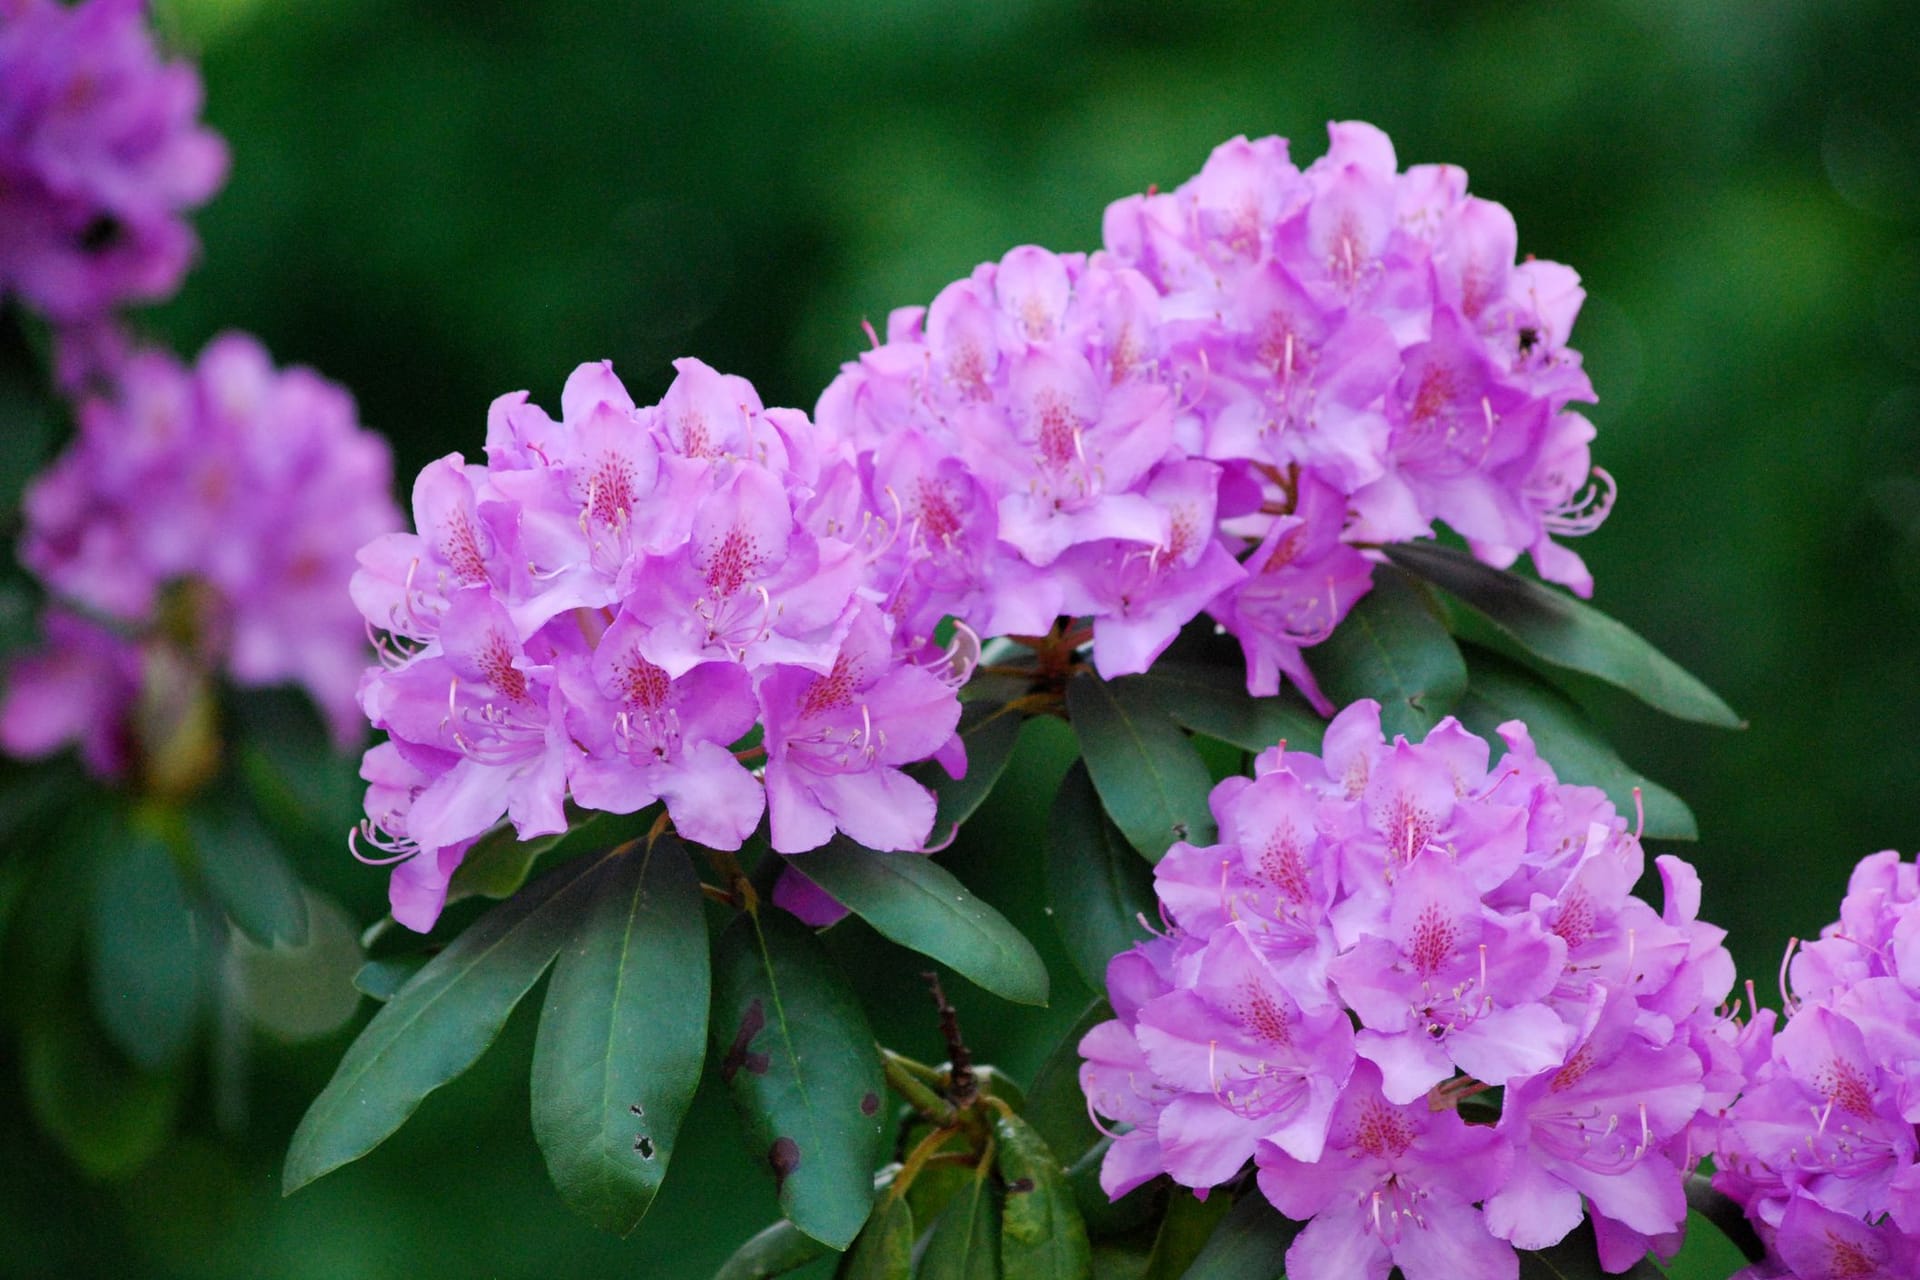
[[246, 873], [498, 864], [1150, 778], [300, 992], [1214, 701], [143, 953], [1725, 1213], [775, 1251], [108, 1116], [382, 979], [1041, 1234], [1499, 691], [1565, 632], [1578, 1258], [1249, 1244], [795, 1049], [885, 1248], [623, 1034], [965, 1244], [1056, 1107], [1097, 884], [919, 904], [1394, 649], [1183, 1233], [1106, 1218], [438, 1024], [989, 731]]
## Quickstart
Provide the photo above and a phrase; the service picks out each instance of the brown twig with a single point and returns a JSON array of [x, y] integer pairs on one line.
[[962, 1089]]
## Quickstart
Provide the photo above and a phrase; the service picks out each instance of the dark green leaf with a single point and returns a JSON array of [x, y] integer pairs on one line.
[[779, 1249], [1041, 1234], [1098, 886], [1725, 1214], [145, 958], [989, 731], [246, 872], [1151, 780], [1056, 1107], [1578, 1258], [300, 993], [498, 864], [1214, 701], [885, 1248], [381, 979], [1184, 1232], [795, 1049], [1249, 1244], [965, 1244], [1561, 630], [1394, 649], [622, 1036], [1106, 1218], [108, 1116], [1500, 691], [916, 902], [438, 1024]]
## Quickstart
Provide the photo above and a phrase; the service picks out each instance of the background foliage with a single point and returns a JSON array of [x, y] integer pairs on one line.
[[435, 203]]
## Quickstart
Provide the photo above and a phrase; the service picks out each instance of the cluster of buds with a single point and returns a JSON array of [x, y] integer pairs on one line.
[[608, 608], [1387, 938]]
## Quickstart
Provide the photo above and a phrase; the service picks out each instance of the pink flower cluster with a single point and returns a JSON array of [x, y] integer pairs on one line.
[[611, 603], [101, 153], [1266, 372], [222, 503], [1385, 934], [1821, 1149]]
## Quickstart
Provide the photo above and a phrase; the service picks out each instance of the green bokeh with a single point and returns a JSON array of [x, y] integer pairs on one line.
[[435, 203]]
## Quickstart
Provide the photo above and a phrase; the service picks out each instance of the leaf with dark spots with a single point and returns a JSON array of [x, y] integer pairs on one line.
[[870, 1105], [1041, 1234], [803, 1109], [740, 1053]]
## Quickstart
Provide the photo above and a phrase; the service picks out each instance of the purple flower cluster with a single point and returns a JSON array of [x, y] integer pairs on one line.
[[101, 153], [1821, 1149], [1386, 934], [215, 509], [1265, 372], [612, 602]]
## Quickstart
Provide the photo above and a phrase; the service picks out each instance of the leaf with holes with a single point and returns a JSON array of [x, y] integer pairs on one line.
[[622, 1035], [1150, 778], [1394, 649], [1098, 885], [795, 1049], [919, 904], [1555, 627], [436, 1025]]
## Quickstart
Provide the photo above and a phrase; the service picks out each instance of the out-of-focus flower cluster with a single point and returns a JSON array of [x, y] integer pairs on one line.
[[101, 155], [1821, 1149], [212, 513], [1386, 935], [1266, 372], [611, 603]]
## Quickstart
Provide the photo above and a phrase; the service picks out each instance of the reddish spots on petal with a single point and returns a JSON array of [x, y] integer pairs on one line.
[[1059, 434], [1432, 941], [1577, 1066], [1434, 394], [460, 548], [734, 562], [496, 663], [1844, 1086], [1283, 865], [1262, 1015], [1383, 1132], [642, 683], [831, 691]]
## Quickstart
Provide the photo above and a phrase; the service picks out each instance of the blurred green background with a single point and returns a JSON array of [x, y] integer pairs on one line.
[[435, 203]]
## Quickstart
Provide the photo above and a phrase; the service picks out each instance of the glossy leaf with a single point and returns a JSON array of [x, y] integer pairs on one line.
[[247, 874], [965, 1244], [142, 948], [1184, 1233], [623, 1034], [498, 864], [1106, 1218], [1393, 648], [1056, 1107], [1041, 1234], [1249, 1244], [919, 904], [989, 731], [381, 979], [1214, 701], [795, 1049], [106, 1115], [1098, 886], [884, 1250], [438, 1024], [1726, 1215], [1150, 778], [1500, 691], [1566, 632], [775, 1251], [1578, 1258]]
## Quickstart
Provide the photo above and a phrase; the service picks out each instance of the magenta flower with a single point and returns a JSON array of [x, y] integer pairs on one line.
[[101, 155]]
